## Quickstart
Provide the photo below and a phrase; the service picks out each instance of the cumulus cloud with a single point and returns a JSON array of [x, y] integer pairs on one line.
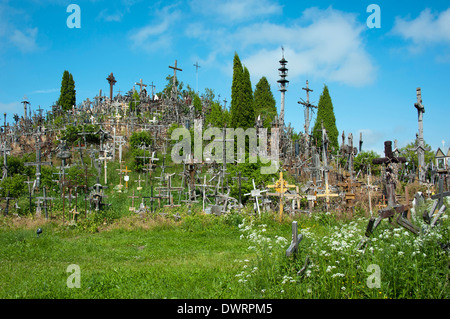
[[327, 43], [427, 28]]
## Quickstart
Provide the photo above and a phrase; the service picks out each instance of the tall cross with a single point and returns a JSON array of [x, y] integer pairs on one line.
[[388, 160], [38, 163], [140, 86], [174, 79], [112, 81], [196, 76], [421, 144], [25, 103], [308, 107], [153, 89]]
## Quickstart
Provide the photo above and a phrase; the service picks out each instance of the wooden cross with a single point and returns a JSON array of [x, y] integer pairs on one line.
[[139, 183], [196, 76], [387, 160], [308, 109], [440, 196], [140, 86], [296, 239], [112, 81], [280, 186], [7, 198], [239, 178], [174, 80], [126, 177], [327, 194], [44, 198], [132, 208], [25, 103], [38, 163], [203, 186]]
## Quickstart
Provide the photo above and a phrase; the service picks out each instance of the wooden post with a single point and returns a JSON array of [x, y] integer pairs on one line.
[[296, 239]]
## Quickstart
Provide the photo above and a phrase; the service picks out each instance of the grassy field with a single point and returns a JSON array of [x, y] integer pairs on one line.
[[232, 256]]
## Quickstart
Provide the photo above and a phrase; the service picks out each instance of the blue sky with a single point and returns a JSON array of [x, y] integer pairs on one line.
[[372, 74]]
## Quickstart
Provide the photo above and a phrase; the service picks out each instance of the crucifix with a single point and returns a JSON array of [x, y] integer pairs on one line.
[[255, 193], [140, 86], [44, 198], [25, 103], [112, 81], [308, 110], [126, 178], [132, 208], [281, 187], [203, 186], [196, 76], [325, 167], [388, 160], [38, 161], [421, 144], [174, 92]]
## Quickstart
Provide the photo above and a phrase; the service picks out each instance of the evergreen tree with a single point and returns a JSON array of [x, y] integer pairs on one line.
[[71, 91], [247, 109], [265, 104], [325, 112], [236, 90], [67, 97], [242, 106]]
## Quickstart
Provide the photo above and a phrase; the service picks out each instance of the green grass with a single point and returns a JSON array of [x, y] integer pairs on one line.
[[204, 256]]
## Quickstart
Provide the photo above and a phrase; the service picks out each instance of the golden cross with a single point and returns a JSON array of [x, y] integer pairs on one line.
[[327, 194], [281, 186], [126, 170]]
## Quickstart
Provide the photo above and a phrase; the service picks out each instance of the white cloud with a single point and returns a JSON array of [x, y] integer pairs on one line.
[[427, 28], [325, 43], [25, 41], [231, 11], [155, 36]]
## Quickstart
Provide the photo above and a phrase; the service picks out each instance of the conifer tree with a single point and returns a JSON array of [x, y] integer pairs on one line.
[[325, 112], [265, 104], [236, 90], [242, 106], [67, 97], [247, 109]]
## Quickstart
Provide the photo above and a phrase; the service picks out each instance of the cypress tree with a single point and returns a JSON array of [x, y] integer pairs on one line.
[[71, 91], [67, 97], [246, 113], [265, 104], [236, 90], [325, 112]]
